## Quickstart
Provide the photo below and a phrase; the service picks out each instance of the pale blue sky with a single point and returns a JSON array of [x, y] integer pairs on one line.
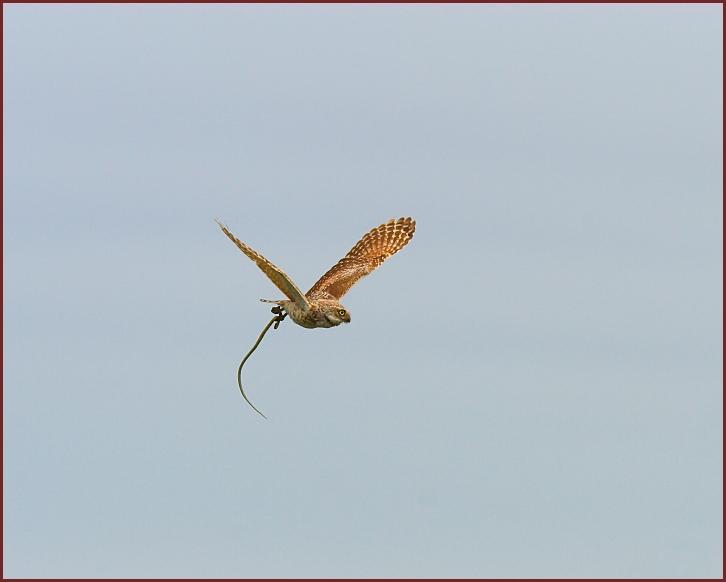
[[531, 388]]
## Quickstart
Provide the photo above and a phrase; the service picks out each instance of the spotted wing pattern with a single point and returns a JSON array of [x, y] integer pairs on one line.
[[275, 274], [368, 253]]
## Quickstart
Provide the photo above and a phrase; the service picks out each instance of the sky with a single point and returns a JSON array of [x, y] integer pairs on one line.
[[531, 388]]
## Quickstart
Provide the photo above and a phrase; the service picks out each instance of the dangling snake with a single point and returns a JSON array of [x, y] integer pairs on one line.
[[276, 320]]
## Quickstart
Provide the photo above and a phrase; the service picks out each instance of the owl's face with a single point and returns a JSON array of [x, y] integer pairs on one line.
[[336, 314]]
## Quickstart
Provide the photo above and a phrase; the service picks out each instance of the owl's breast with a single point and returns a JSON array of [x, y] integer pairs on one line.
[[309, 318]]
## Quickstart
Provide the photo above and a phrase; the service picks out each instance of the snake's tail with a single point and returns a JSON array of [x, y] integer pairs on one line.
[[242, 363], [242, 390]]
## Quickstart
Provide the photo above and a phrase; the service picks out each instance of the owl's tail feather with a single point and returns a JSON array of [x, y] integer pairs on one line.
[[278, 302]]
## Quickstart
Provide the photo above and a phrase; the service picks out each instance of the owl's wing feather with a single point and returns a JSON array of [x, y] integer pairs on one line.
[[275, 274], [367, 254]]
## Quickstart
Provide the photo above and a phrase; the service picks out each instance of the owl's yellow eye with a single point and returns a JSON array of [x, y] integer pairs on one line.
[[341, 312]]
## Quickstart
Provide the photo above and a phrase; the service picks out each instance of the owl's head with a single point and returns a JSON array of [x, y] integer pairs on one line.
[[336, 314]]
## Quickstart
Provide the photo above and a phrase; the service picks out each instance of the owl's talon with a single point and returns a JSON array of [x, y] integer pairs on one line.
[[281, 315]]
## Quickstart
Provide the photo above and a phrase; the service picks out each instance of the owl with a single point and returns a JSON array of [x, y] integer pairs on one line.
[[320, 306]]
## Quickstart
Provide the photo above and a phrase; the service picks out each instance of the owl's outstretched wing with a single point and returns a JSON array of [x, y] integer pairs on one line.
[[275, 274], [368, 253]]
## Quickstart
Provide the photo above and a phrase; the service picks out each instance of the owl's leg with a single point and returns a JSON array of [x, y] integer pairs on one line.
[[281, 315]]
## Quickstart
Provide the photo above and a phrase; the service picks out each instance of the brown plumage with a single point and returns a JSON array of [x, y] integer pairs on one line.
[[320, 307], [368, 253]]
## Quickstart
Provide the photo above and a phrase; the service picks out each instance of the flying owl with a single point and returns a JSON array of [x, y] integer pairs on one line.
[[321, 307]]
